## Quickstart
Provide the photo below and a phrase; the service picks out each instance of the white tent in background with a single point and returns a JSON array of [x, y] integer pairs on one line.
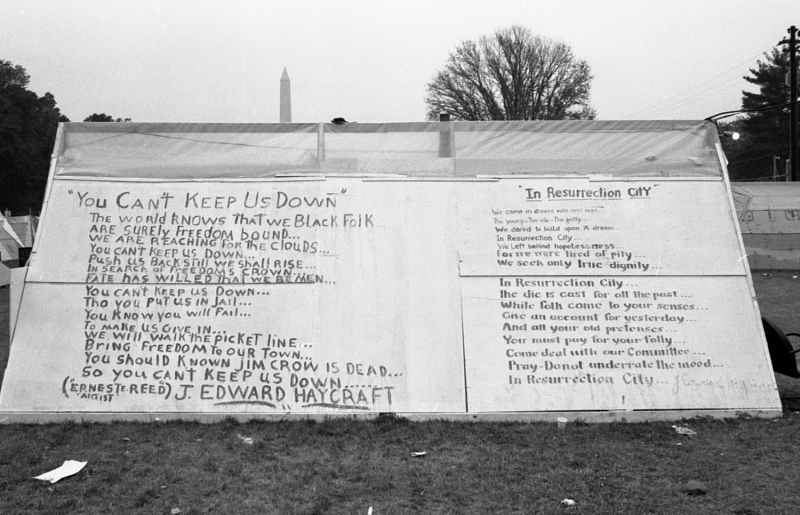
[[5, 274], [769, 219], [9, 245], [5, 265], [25, 228], [9, 241], [6, 253]]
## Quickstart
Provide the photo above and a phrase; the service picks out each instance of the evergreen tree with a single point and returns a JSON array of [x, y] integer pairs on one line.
[[28, 125], [764, 133]]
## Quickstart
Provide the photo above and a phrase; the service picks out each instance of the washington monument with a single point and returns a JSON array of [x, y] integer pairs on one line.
[[286, 98]]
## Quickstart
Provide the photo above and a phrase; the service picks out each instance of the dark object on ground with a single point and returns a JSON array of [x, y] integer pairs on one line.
[[694, 488], [781, 351], [339, 121]]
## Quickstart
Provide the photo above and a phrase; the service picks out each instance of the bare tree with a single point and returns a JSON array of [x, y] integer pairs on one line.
[[511, 75]]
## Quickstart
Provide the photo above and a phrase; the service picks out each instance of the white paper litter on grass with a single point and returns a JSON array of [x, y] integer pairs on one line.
[[684, 431], [69, 468]]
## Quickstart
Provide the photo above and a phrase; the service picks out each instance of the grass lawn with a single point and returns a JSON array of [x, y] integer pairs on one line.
[[749, 466]]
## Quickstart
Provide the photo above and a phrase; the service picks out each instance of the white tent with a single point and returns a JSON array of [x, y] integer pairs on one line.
[[25, 228], [9, 250], [769, 218], [5, 274], [475, 270], [9, 241]]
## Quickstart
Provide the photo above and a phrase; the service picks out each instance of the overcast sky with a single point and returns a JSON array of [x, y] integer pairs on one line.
[[369, 61]]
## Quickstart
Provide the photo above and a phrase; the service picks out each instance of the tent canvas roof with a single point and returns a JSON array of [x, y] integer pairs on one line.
[[450, 149]]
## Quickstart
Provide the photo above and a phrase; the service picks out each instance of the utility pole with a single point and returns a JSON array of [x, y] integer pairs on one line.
[[793, 102]]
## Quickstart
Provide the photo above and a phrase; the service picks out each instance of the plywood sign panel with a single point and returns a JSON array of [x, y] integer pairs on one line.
[[284, 296], [599, 343], [578, 226], [351, 295]]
